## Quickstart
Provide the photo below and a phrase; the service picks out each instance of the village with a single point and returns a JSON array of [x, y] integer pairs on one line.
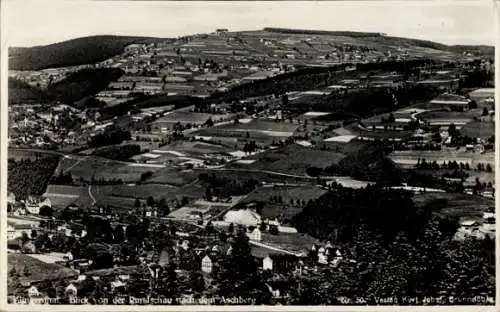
[[163, 186]]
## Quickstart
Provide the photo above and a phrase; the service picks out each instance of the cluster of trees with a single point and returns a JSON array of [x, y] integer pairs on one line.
[[419, 179], [369, 164], [109, 137], [118, 152], [83, 83], [250, 147], [423, 164], [238, 274], [224, 187], [62, 178], [30, 177], [400, 250]]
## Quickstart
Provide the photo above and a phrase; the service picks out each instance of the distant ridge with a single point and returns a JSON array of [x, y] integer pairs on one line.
[[484, 49], [85, 50]]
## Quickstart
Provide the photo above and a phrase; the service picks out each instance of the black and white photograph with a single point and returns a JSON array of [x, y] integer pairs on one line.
[[248, 153]]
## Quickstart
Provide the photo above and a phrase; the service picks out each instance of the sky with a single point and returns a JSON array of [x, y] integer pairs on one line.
[[40, 22]]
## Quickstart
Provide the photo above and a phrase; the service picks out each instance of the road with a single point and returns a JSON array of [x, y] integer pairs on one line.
[[92, 196], [268, 172], [82, 157]]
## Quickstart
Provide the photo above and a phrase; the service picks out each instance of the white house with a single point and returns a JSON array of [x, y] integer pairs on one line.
[[322, 257], [68, 256], [206, 264], [255, 235], [267, 263], [33, 292]]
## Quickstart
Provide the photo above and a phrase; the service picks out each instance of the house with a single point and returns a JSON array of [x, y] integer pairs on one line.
[[255, 235], [206, 264], [267, 263], [29, 248], [33, 291], [68, 256], [117, 285], [221, 31], [33, 205]]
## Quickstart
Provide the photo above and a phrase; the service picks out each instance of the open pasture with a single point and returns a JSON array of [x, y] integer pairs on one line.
[[482, 130], [452, 204], [62, 196], [294, 159], [106, 169]]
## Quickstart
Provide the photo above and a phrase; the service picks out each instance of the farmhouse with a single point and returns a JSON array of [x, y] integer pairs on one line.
[[452, 101], [33, 204]]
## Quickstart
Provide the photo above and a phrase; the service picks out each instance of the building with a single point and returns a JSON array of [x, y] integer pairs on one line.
[[221, 31], [452, 101], [33, 205], [71, 290], [206, 264], [33, 291], [267, 263], [255, 235]]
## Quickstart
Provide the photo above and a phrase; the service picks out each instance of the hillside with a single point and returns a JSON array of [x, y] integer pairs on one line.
[[83, 83], [86, 50], [375, 37], [32, 270], [22, 93]]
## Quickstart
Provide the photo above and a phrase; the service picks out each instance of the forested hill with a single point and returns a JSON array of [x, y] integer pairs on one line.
[[86, 50]]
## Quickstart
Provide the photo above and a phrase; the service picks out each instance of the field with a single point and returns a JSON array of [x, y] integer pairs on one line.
[[293, 242], [123, 196], [478, 130], [173, 177], [108, 169], [460, 205], [185, 117], [52, 257], [293, 159], [410, 158], [286, 209], [62, 196], [256, 129], [38, 270], [194, 148]]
